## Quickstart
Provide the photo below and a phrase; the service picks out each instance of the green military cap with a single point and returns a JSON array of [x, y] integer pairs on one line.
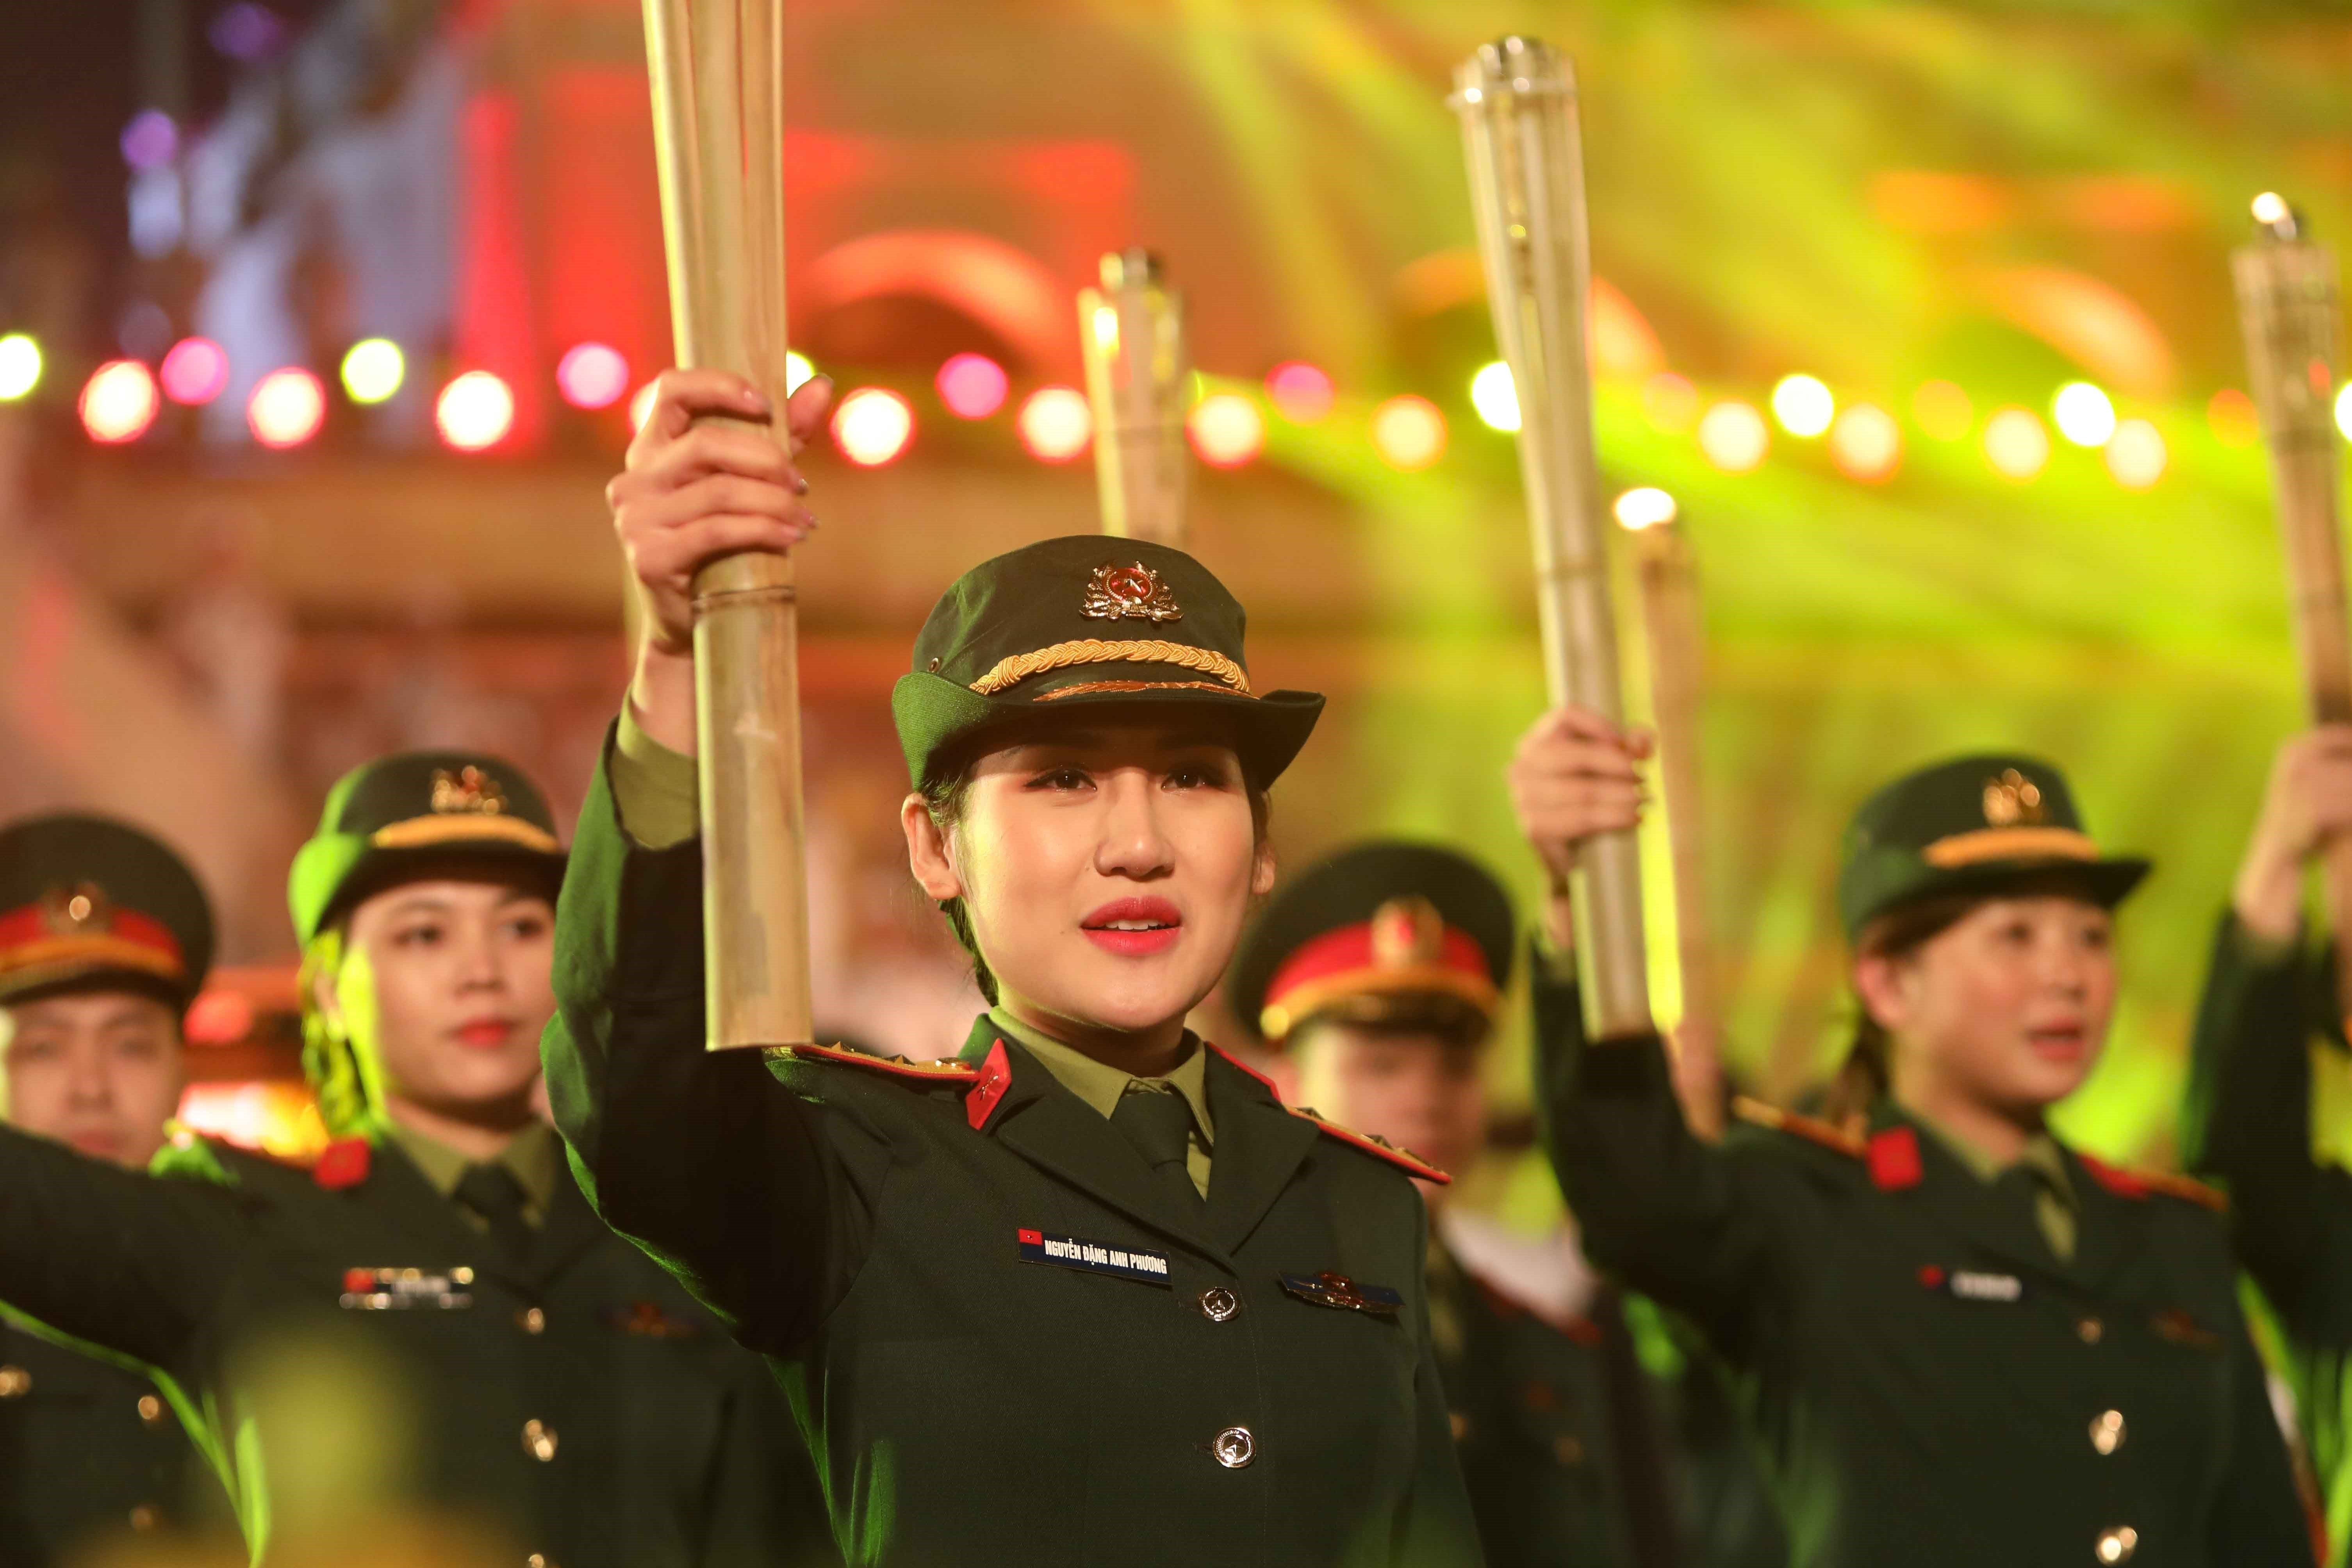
[[1089, 621], [88, 903], [416, 812], [1973, 823], [1375, 930]]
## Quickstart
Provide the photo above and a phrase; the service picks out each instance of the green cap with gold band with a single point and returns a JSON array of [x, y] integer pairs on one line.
[[416, 812], [1086, 621], [87, 902], [1379, 931], [1973, 823]]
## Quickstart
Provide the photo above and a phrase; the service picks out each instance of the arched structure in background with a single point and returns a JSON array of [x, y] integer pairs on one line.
[[895, 296]]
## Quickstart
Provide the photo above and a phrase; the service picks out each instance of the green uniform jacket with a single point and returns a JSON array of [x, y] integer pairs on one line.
[[1531, 1414], [1932, 1384], [656, 1441], [1011, 1344], [88, 1451], [2248, 1125]]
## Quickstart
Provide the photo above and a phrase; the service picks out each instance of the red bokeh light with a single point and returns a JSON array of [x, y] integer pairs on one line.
[[1302, 392], [973, 386], [195, 372], [592, 376]]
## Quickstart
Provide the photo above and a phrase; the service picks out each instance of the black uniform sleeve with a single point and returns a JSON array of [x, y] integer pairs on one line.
[[124, 1261], [2246, 1123], [1658, 1208], [723, 1176], [2258, 1516]]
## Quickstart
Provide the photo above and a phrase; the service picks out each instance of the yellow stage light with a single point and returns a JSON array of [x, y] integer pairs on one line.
[[1733, 436], [2344, 411], [1408, 432], [286, 407], [797, 370], [1866, 443], [1056, 424], [475, 412], [1226, 428], [118, 402], [2084, 414], [373, 369], [20, 366], [873, 426], [1803, 406], [2016, 444], [2136, 455], [1496, 396], [1644, 507]]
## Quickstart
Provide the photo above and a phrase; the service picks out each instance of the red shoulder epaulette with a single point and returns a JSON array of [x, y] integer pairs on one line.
[[946, 1069], [1379, 1148], [2140, 1184], [1757, 1114]]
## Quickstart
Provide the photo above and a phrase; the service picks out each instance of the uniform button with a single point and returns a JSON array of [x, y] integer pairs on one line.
[[151, 1409], [2107, 1431], [1235, 1447], [2092, 1330], [1566, 1449], [1460, 1423], [15, 1382], [143, 1518], [537, 1560], [531, 1320], [1217, 1304], [2116, 1545], [538, 1439]]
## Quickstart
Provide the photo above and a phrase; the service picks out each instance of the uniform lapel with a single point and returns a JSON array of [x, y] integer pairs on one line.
[[1981, 1213], [1260, 1146], [569, 1229], [1054, 1130]]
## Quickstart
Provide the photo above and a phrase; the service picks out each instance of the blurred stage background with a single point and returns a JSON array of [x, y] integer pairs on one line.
[[239, 554]]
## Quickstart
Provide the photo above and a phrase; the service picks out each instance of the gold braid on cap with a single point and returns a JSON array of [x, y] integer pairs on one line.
[[1020, 667]]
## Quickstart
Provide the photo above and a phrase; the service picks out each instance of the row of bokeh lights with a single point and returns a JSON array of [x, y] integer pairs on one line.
[[872, 425]]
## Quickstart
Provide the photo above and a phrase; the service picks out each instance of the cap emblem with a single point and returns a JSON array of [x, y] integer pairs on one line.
[[467, 790], [2012, 800], [1407, 931], [77, 909], [1132, 593]]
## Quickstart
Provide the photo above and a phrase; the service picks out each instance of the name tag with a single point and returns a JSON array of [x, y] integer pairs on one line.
[[1095, 1256], [405, 1290], [1974, 1285]]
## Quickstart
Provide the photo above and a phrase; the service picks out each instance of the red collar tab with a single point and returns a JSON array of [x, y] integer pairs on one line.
[[1892, 1155], [343, 1163], [77, 928], [988, 1088], [1403, 948]]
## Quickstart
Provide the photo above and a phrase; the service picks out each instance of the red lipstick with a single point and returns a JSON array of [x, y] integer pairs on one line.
[[1134, 928]]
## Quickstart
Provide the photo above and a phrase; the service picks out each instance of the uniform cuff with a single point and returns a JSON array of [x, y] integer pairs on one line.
[[2259, 951], [655, 790]]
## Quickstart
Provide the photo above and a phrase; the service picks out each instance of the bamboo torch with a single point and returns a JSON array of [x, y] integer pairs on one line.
[[1668, 573], [2287, 306], [717, 67], [1517, 99], [1131, 331]]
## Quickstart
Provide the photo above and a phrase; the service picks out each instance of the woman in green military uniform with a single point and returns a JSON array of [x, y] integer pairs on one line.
[[537, 1377], [1086, 1292], [1960, 1341], [2270, 992], [1379, 972], [92, 997]]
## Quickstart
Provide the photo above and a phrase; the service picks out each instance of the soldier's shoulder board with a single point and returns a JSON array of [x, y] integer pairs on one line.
[[1379, 1148], [945, 1071], [1827, 1136], [2142, 1183]]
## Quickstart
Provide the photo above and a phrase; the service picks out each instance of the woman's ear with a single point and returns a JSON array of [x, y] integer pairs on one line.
[[1262, 871], [927, 851], [1878, 980]]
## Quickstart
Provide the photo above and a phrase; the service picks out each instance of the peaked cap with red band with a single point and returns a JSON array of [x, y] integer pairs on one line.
[[88, 903], [1371, 932]]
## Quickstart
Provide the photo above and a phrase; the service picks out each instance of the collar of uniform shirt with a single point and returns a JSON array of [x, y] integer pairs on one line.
[[534, 1154], [1100, 1085], [2056, 1210]]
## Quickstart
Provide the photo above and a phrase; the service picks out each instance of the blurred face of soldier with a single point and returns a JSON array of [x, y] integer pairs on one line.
[[443, 988], [1106, 873], [98, 1070], [1418, 1088], [2007, 1008]]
